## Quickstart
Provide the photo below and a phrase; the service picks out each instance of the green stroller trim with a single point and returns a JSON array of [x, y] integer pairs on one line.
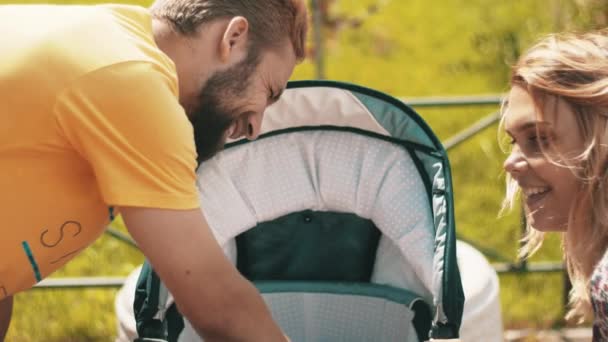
[[167, 328]]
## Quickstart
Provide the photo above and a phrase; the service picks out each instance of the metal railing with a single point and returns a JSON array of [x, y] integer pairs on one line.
[[503, 264]]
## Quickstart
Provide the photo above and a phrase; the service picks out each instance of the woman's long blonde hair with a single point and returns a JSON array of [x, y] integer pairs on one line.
[[574, 68]]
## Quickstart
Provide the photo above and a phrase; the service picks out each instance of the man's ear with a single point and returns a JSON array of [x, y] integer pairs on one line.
[[233, 45]]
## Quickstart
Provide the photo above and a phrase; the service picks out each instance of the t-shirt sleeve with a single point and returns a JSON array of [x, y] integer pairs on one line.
[[126, 121]]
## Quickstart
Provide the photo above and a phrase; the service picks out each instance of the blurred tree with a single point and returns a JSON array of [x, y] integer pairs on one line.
[[474, 41], [334, 21], [500, 44], [590, 14]]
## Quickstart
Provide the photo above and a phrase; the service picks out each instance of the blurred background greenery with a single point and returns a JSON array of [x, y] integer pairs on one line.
[[408, 49]]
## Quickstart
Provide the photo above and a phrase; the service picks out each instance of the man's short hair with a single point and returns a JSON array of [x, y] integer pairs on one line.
[[270, 21]]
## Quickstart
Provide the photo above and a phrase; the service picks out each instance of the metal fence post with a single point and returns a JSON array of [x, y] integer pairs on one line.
[[567, 288], [523, 264], [317, 27]]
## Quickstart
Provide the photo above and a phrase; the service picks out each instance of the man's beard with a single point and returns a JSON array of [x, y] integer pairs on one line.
[[215, 114]]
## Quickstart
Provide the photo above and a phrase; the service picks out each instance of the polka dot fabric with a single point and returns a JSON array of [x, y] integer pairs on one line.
[[327, 171], [320, 317]]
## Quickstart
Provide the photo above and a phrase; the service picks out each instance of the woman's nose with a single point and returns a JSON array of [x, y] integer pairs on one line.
[[515, 163]]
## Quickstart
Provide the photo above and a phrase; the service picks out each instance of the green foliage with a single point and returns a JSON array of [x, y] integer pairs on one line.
[[406, 49]]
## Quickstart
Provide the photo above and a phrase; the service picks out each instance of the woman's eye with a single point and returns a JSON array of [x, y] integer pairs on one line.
[[536, 142], [543, 140]]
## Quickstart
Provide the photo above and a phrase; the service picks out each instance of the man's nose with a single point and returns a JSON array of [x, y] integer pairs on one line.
[[254, 125]]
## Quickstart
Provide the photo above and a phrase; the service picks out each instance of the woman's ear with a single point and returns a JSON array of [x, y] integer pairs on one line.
[[233, 46]]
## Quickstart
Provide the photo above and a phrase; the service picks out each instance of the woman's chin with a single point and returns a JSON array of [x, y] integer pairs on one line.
[[545, 224]]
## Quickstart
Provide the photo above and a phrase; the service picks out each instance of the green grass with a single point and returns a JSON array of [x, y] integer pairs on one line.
[[409, 49]]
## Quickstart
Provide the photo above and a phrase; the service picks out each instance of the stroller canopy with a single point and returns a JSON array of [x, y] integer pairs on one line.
[[341, 214]]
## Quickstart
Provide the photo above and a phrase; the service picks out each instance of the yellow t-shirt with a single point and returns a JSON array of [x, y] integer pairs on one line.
[[90, 119]]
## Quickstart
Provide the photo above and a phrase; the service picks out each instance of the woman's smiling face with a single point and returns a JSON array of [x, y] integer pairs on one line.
[[542, 146]]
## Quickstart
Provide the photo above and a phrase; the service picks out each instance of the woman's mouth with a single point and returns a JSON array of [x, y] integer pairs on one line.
[[534, 195]]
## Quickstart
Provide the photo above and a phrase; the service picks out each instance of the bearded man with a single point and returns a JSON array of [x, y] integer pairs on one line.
[[108, 109]]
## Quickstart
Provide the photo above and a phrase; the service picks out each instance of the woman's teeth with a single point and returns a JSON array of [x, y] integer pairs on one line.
[[535, 191]]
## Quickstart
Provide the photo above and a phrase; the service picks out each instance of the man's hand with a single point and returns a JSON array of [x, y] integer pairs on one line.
[[208, 290]]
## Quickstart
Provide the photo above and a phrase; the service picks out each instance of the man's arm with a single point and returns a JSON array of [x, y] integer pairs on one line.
[[207, 288], [6, 309]]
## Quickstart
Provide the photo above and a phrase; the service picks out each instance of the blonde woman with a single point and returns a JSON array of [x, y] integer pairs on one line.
[[556, 115]]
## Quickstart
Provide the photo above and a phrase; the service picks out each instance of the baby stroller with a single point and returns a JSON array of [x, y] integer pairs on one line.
[[342, 218]]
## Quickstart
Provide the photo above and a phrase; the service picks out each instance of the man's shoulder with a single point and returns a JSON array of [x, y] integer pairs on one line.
[[71, 41], [116, 34]]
